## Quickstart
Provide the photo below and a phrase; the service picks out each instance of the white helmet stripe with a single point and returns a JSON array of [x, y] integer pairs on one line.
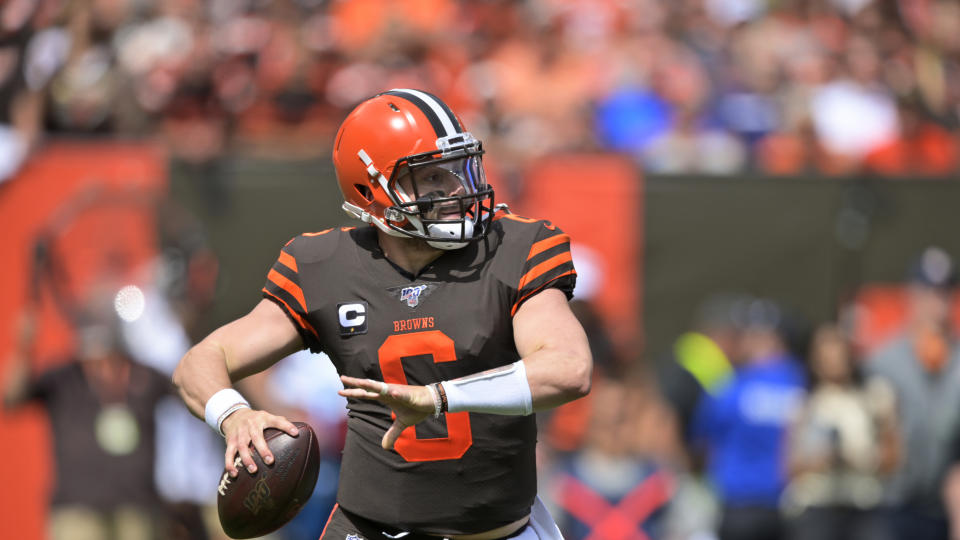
[[447, 120], [381, 179]]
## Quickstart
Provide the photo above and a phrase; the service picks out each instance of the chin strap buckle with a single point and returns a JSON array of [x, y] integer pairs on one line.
[[393, 214]]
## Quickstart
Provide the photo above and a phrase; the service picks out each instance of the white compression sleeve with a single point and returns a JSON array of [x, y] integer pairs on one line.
[[497, 391]]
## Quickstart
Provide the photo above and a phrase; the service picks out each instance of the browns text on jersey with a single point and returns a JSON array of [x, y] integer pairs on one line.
[[413, 324]]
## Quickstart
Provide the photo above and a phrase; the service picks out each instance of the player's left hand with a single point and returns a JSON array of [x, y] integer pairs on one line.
[[411, 404]]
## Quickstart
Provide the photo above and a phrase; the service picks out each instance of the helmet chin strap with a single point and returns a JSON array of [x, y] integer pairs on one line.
[[439, 231], [355, 211]]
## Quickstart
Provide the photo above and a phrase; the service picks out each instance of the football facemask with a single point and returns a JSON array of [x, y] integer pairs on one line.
[[441, 197]]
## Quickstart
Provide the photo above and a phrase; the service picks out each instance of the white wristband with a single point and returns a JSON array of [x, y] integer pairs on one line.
[[221, 405], [497, 391]]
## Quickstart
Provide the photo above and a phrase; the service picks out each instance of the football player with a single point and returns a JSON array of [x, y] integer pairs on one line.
[[447, 319]]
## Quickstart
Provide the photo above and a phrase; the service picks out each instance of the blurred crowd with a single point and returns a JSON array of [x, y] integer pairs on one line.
[[709, 86], [750, 427], [764, 427]]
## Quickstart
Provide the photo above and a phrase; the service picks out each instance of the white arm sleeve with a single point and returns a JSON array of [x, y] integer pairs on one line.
[[497, 391]]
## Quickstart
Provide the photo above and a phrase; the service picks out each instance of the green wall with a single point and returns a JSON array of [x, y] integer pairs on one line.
[[805, 242]]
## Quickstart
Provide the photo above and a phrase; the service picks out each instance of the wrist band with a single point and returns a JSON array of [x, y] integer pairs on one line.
[[436, 398], [497, 391], [443, 398], [221, 405]]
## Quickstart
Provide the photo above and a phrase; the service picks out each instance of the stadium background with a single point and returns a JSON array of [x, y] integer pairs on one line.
[[683, 156]]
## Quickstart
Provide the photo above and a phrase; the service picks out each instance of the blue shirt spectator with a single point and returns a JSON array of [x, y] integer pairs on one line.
[[743, 429]]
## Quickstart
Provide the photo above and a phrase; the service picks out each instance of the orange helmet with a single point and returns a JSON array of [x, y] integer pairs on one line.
[[406, 164]]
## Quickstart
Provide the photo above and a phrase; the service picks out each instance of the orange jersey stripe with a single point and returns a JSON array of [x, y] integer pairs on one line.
[[329, 519], [547, 243], [303, 322], [287, 260], [514, 217], [521, 219], [325, 231], [281, 281], [516, 306], [543, 268]]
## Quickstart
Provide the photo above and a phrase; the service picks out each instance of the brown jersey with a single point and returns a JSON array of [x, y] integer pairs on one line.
[[463, 472]]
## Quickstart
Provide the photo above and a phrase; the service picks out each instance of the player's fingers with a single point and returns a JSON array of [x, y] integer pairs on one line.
[[392, 434], [359, 393], [283, 424], [370, 385], [261, 445], [247, 457], [231, 460]]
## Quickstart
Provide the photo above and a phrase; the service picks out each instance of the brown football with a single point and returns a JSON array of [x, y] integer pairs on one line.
[[252, 505]]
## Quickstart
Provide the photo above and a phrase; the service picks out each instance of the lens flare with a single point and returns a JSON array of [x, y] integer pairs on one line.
[[129, 303]]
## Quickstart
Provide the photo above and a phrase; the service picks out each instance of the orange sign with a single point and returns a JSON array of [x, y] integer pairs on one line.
[[598, 200]]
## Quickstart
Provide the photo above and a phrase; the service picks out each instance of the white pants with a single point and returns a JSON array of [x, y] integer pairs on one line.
[[542, 526]]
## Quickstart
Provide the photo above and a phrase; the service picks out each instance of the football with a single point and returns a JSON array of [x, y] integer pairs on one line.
[[252, 505]]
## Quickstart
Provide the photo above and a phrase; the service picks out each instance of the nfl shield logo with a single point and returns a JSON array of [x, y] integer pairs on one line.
[[411, 295]]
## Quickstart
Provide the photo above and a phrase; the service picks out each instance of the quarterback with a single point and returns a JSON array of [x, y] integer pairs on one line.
[[447, 319]]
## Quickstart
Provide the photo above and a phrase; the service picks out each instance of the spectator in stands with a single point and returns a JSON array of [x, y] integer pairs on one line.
[[735, 84], [854, 113], [923, 149], [101, 407], [700, 361], [614, 488], [841, 446], [742, 427], [922, 365], [18, 117], [699, 364]]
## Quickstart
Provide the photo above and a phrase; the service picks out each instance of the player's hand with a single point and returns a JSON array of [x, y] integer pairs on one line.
[[246, 426], [410, 404]]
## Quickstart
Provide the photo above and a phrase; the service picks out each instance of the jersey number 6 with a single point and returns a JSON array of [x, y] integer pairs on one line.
[[440, 347]]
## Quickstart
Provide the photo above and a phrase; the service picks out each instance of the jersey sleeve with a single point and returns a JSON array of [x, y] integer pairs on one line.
[[548, 265], [283, 288]]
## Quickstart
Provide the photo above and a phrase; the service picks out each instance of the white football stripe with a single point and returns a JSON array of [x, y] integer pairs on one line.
[[436, 107]]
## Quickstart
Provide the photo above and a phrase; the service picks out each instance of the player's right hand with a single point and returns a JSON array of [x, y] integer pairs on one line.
[[410, 404], [245, 426]]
